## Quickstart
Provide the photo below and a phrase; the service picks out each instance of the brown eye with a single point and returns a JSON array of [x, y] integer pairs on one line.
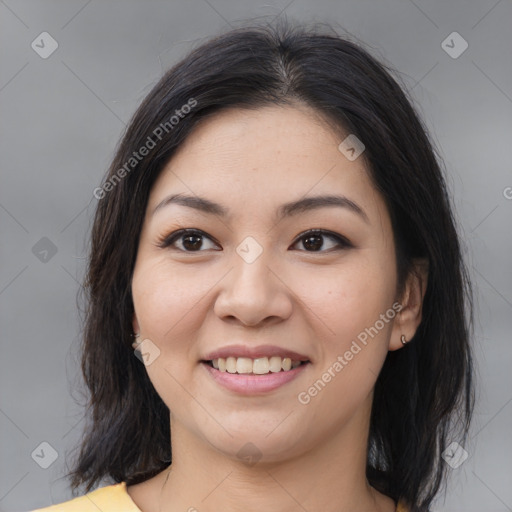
[[186, 240], [314, 241], [193, 240]]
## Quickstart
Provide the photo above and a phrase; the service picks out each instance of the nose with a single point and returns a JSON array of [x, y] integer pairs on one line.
[[254, 293]]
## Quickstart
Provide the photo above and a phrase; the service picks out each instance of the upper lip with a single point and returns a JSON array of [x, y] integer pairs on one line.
[[254, 352]]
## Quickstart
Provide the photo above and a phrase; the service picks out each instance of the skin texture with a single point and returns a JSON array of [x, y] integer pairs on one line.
[[314, 302]]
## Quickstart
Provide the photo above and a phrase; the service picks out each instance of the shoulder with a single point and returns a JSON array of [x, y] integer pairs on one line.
[[107, 499]]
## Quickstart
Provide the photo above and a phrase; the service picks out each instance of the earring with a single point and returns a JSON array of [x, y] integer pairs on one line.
[[403, 340], [136, 343]]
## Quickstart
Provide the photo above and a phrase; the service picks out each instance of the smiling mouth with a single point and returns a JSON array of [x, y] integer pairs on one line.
[[257, 366]]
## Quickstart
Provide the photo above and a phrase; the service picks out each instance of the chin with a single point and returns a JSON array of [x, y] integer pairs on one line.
[[257, 445]]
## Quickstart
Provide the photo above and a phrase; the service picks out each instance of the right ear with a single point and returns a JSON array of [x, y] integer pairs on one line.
[[135, 324], [136, 328]]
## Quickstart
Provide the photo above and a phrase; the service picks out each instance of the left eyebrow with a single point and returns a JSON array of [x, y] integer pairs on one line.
[[312, 203], [286, 210]]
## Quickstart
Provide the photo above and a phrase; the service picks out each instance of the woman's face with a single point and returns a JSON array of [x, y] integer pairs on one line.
[[249, 282]]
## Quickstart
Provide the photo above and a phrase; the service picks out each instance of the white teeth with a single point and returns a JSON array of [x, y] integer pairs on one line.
[[243, 365], [275, 364], [258, 366], [231, 364]]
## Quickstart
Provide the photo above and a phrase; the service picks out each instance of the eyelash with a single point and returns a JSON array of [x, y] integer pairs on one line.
[[343, 243]]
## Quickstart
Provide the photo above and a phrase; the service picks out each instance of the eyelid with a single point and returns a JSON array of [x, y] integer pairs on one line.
[[167, 240], [342, 241]]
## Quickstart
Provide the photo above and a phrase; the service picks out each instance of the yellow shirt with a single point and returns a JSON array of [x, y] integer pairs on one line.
[[112, 498]]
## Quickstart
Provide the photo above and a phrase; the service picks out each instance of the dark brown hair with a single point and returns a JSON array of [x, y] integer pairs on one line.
[[422, 390]]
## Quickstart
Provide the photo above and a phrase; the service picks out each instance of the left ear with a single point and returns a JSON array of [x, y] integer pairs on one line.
[[136, 329], [409, 317]]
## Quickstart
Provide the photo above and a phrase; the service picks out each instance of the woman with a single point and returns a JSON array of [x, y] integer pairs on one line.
[[276, 233]]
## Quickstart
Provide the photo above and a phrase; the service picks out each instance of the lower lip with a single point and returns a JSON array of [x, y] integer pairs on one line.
[[247, 384]]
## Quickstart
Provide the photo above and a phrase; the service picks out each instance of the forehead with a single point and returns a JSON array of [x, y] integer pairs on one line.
[[256, 158], [268, 131]]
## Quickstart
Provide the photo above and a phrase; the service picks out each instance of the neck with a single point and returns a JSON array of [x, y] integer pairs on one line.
[[330, 477]]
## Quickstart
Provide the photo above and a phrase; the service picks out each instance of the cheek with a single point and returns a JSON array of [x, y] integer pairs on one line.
[[168, 306], [352, 297], [350, 304], [165, 300]]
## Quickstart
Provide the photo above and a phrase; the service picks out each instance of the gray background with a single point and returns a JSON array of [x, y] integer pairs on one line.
[[61, 118]]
